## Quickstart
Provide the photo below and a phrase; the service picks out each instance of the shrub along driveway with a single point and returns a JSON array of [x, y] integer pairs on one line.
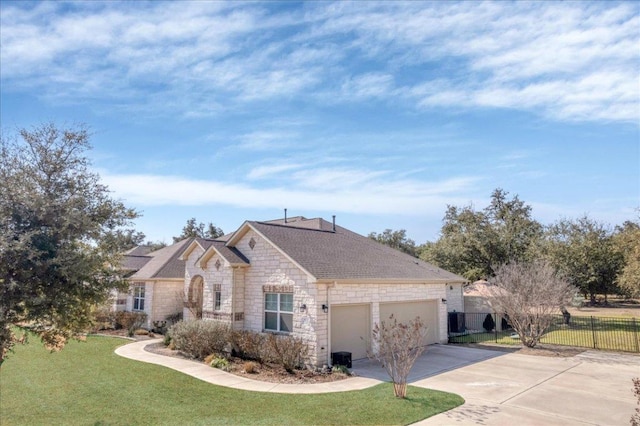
[[590, 388]]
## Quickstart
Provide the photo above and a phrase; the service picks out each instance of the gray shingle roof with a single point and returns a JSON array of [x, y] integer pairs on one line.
[[230, 254], [134, 263], [344, 254], [139, 251], [164, 263]]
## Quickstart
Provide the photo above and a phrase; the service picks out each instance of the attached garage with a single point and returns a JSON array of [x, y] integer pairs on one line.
[[404, 312], [348, 324]]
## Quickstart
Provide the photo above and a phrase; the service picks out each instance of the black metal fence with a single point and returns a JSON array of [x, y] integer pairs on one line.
[[608, 333]]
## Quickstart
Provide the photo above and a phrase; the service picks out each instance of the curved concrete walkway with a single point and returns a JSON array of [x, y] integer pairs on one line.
[[218, 377]]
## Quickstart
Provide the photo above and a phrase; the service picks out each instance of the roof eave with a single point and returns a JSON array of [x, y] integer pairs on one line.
[[310, 276], [186, 252]]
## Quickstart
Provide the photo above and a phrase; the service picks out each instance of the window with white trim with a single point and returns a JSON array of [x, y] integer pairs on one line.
[[217, 300], [278, 312], [138, 297]]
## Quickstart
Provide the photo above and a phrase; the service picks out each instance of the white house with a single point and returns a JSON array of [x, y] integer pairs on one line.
[[311, 279], [156, 281]]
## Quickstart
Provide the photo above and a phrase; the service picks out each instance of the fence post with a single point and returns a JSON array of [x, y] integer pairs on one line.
[[495, 328], [593, 333], [635, 333]]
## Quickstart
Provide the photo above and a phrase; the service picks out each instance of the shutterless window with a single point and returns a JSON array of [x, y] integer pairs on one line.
[[278, 312], [138, 297], [217, 299]]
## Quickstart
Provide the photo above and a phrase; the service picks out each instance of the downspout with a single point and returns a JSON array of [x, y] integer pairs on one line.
[[233, 297], [152, 305], [329, 322]]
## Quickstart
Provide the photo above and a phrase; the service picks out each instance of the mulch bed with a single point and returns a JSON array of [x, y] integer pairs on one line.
[[265, 372]]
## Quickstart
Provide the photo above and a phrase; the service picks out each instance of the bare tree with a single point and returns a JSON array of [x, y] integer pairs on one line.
[[529, 294], [396, 347]]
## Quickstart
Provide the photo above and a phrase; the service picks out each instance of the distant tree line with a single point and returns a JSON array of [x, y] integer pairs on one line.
[[594, 258]]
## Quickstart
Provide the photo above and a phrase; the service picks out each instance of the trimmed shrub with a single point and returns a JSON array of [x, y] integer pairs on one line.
[[130, 320], [104, 319], [174, 318], [340, 369], [199, 338], [159, 327], [248, 344], [221, 363], [489, 324], [141, 332], [288, 351]]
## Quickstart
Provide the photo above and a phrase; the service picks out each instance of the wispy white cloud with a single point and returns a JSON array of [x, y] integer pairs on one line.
[[262, 172], [565, 61], [325, 190]]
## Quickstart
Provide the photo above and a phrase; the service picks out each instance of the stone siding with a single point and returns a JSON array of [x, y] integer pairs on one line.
[[374, 294], [166, 299], [269, 267], [455, 301], [160, 299]]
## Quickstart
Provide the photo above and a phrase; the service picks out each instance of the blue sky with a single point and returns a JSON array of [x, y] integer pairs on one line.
[[381, 113]]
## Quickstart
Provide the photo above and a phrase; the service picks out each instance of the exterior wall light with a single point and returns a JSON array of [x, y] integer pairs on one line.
[[444, 300], [325, 308], [303, 307]]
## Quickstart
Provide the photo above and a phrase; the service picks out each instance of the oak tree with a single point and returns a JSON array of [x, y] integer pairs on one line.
[[193, 229], [473, 242], [60, 234], [397, 240]]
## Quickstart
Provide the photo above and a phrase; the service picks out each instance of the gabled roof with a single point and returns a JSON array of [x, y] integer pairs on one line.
[[163, 263], [139, 251], [230, 254], [343, 254], [219, 246], [134, 263]]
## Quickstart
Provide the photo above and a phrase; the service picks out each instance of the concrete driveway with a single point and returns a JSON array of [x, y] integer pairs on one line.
[[593, 388]]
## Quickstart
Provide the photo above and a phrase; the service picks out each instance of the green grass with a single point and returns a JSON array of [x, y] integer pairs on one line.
[[609, 333], [88, 384]]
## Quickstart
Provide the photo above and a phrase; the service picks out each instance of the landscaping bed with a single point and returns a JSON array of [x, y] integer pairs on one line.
[[265, 372]]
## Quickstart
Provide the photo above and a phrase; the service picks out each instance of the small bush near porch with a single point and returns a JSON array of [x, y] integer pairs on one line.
[[87, 383]]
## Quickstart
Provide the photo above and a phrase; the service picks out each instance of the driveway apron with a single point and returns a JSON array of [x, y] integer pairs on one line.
[[593, 388]]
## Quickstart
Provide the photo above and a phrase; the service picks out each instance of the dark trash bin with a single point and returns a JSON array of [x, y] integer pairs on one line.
[[341, 358]]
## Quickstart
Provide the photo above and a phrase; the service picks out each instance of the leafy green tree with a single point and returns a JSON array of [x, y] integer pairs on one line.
[[473, 242], [59, 235], [155, 245], [627, 242], [127, 238], [397, 240], [194, 229], [584, 250]]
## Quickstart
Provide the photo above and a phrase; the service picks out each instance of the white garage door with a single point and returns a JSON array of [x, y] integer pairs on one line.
[[348, 324], [404, 312]]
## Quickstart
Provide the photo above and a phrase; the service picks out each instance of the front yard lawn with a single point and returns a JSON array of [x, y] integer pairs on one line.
[[87, 383]]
